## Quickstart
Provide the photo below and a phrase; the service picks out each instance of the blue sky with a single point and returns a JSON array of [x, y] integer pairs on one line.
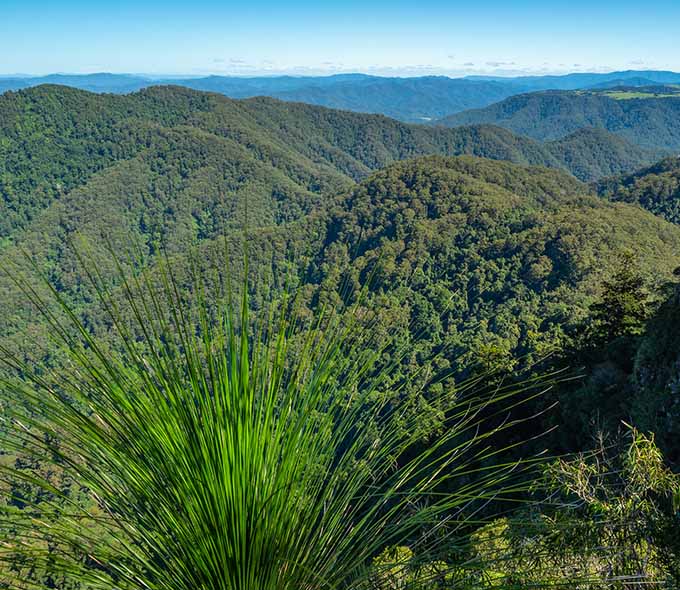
[[298, 36]]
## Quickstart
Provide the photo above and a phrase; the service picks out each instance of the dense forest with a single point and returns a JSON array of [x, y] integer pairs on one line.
[[483, 254]]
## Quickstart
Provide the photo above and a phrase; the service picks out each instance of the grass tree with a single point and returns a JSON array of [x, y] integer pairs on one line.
[[213, 448]]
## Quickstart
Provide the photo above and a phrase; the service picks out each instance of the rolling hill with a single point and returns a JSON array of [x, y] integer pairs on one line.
[[493, 260], [640, 117], [591, 153], [581, 80], [471, 262], [407, 99], [54, 139]]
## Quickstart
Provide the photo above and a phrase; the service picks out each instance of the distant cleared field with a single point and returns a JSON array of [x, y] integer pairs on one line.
[[631, 94]]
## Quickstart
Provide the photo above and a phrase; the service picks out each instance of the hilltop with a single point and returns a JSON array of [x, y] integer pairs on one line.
[[591, 153], [495, 260], [580, 80]]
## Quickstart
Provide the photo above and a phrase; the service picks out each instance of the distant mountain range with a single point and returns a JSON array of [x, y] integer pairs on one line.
[[579, 81], [408, 99]]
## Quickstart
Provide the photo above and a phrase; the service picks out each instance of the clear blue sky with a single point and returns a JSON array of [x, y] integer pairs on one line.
[[299, 36]]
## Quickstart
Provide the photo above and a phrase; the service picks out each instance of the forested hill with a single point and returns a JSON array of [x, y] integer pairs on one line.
[[498, 262], [495, 263], [647, 118], [54, 140], [591, 153], [470, 263], [177, 167], [656, 188], [408, 99]]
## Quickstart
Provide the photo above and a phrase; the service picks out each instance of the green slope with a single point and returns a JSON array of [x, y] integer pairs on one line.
[[591, 153], [407, 99], [179, 167], [493, 263], [53, 139], [490, 258]]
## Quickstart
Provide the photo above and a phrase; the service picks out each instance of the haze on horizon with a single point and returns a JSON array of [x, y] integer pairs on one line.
[[302, 37]]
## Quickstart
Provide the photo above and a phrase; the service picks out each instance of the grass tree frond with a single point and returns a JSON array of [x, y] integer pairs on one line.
[[215, 450]]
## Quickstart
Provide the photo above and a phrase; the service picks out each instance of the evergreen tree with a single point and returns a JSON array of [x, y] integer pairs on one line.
[[624, 305]]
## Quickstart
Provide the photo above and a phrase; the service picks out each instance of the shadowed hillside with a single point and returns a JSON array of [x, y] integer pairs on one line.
[[656, 188]]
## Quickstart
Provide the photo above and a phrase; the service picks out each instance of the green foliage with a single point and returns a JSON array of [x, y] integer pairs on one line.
[[55, 140], [627, 510], [409, 99], [592, 153], [497, 263], [398, 568], [630, 364], [469, 265], [493, 261], [610, 522], [655, 378]]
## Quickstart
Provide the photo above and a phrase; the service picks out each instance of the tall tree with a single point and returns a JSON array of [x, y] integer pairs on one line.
[[624, 305]]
